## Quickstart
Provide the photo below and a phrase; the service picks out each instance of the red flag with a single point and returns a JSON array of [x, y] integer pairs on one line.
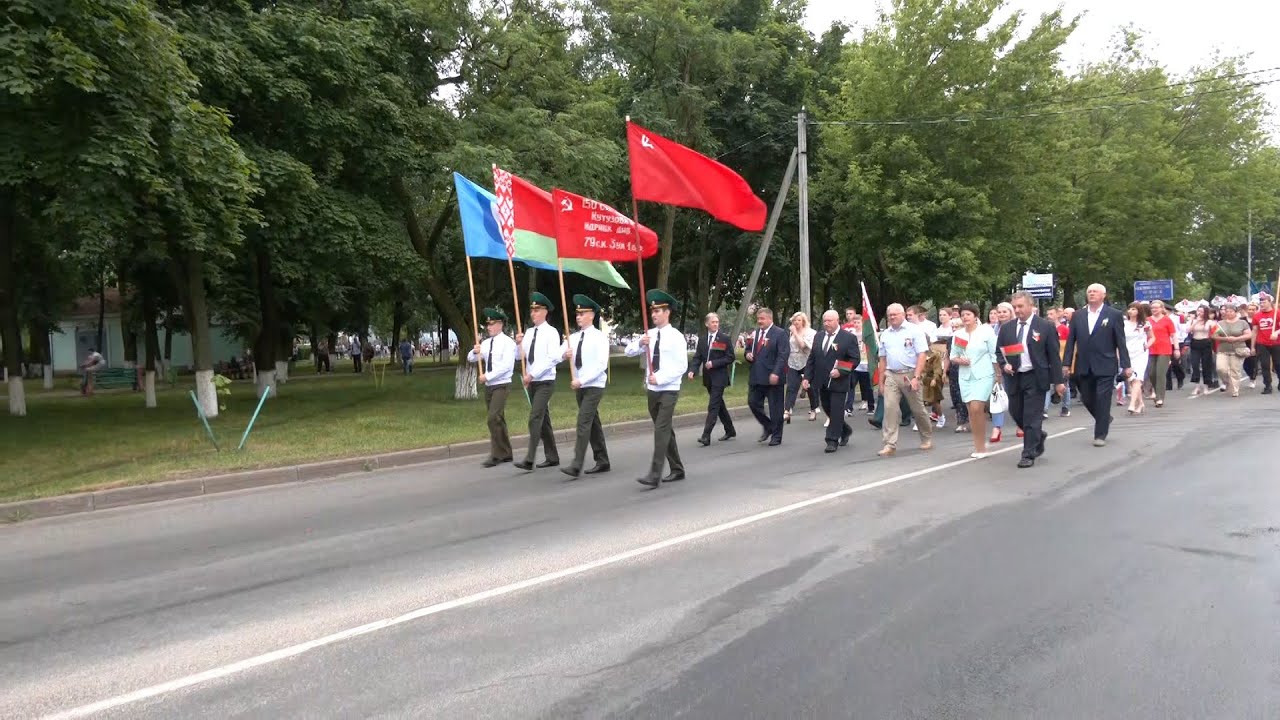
[[591, 230], [667, 172]]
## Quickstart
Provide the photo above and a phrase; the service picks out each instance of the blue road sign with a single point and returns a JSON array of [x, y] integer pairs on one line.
[[1256, 287], [1148, 290]]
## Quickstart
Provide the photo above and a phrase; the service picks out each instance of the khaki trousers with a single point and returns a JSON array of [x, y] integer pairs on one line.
[[1230, 371], [495, 398], [898, 385]]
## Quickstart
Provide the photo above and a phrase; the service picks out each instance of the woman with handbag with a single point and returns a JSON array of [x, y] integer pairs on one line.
[[1004, 314], [1233, 336], [973, 349]]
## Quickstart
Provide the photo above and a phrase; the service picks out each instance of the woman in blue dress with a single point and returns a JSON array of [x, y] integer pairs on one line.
[[973, 349]]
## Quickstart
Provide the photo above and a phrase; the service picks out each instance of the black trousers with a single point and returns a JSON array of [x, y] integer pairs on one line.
[[1176, 370], [1268, 362], [1095, 395], [540, 421], [1026, 407], [716, 410], [1202, 362], [756, 397], [357, 363], [794, 378], [833, 405], [495, 400]]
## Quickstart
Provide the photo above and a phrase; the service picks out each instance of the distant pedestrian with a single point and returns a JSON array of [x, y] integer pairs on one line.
[[406, 356], [357, 354], [93, 362]]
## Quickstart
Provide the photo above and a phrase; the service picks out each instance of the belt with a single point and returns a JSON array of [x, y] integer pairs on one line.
[[908, 371]]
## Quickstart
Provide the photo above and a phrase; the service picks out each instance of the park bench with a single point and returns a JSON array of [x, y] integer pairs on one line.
[[115, 378]]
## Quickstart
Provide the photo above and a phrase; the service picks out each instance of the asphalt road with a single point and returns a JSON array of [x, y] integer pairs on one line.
[[1140, 580]]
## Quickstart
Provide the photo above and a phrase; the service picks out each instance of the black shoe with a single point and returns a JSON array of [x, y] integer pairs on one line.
[[1039, 450], [525, 465], [571, 471], [489, 462], [765, 437], [1026, 462], [704, 441], [675, 476], [728, 436], [650, 480], [775, 441], [548, 463], [831, 447], [1266, 390], [599, 468], [844, 439]]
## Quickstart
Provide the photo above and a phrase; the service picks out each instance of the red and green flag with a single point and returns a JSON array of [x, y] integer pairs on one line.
[[869, 335]]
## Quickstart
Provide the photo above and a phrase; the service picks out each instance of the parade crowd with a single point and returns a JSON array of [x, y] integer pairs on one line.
[[1014, 366]]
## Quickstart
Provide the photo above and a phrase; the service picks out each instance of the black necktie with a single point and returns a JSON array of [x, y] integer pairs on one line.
[[490, 363], [657, 350], [533, 346], [830, 338], [577, 360], [711, 339]]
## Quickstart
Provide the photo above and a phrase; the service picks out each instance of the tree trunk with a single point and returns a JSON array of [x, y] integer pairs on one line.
[[702, 287], [189, 270], [102, 313], [10, 332], [268, 340], [717, 289], [151, 345], [168, 341], [464, 381], [425, 244], [667, 248], [397, 321], [37, 357]]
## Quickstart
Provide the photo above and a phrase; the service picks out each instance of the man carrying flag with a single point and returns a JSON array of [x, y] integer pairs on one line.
[[667, 360], [540, 348], [588, 350], [830, 367], [499, 354]]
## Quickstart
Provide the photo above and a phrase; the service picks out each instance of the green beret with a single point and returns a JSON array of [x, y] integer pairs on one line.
[[538, 300], [492, 313], [659, 299]]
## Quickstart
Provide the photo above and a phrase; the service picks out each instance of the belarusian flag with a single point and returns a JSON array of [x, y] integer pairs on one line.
[[869, 335], [535, 231]]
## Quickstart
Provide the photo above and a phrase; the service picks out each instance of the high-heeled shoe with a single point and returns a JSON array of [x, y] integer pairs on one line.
[[813, 415], [996, 436]]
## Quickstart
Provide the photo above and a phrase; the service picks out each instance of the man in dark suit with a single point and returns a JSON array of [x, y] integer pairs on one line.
[[1096, 353], [712, 360], [767, 351], [1027, 350], [831, 363]]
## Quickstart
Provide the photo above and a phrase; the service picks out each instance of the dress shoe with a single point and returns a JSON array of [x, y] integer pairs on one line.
[[831, 447], [844, 439], [599, 468], [548, 463], [571, 471], [704, 441], [525, 465], [765, 437], [489, 462], [775, 441], [1026, 462], [675, 476], [650, 480], [728, 436]]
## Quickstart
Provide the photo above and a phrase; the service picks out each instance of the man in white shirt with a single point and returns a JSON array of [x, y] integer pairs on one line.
[[498, 353], [667, 360], [587, 353], [540, 348]]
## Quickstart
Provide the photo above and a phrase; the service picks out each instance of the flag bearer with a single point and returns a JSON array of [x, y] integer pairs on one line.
[[540, 347], [499, 353], [668, 350], [588, 350]]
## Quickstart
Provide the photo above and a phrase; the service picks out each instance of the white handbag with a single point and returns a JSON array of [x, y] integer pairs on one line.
[[999, 399]]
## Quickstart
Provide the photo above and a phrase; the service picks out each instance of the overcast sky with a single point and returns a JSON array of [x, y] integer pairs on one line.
[[1180, 35]]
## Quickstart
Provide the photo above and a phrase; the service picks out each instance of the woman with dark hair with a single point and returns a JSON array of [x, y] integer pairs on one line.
[[973, 350], [1202, 362], [1138, 338]]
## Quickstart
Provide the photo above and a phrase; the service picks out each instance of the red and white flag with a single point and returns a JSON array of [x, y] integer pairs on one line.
[[505, 208], [591, 230]]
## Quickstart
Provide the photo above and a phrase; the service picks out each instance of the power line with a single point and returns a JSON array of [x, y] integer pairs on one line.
[[958, 119]]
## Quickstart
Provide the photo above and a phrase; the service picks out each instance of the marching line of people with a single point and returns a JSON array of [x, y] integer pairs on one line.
[[1013, 364]]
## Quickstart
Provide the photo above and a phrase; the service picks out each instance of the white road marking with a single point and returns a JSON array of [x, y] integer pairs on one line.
[[294, 650]]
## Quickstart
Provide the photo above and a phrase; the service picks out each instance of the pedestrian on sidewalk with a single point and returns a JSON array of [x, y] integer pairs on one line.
[[541, 350], [499, 353], [666, 362]]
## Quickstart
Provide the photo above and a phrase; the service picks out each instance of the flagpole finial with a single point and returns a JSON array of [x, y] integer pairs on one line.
[[628, 118]]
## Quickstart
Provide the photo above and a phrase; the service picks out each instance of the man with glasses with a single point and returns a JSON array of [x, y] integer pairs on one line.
[[499, 354]]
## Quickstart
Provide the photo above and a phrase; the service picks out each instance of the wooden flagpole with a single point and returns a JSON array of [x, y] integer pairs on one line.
[[564, 308], [475, 321], [644, 311]]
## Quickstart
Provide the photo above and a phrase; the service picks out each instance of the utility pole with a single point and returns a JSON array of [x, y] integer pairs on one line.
[[802, 147]]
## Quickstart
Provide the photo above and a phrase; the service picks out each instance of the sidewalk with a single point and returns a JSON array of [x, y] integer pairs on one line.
[[191, 487]]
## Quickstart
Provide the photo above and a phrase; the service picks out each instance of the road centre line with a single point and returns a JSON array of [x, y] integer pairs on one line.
[[300, 648]]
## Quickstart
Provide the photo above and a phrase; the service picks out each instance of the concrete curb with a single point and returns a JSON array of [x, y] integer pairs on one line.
[[190, 487]]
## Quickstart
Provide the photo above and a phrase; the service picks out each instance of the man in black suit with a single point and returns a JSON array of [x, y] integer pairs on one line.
[[712, 360], [1094, 343], [767, 352], [1027, 350], [831, 363]]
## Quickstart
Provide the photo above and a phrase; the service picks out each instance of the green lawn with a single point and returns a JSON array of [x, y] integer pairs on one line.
[[66, 444]]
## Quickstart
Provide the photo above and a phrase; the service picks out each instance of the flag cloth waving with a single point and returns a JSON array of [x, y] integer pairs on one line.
[[589, 229], [483, 237], [869, 335], [664, 171]]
